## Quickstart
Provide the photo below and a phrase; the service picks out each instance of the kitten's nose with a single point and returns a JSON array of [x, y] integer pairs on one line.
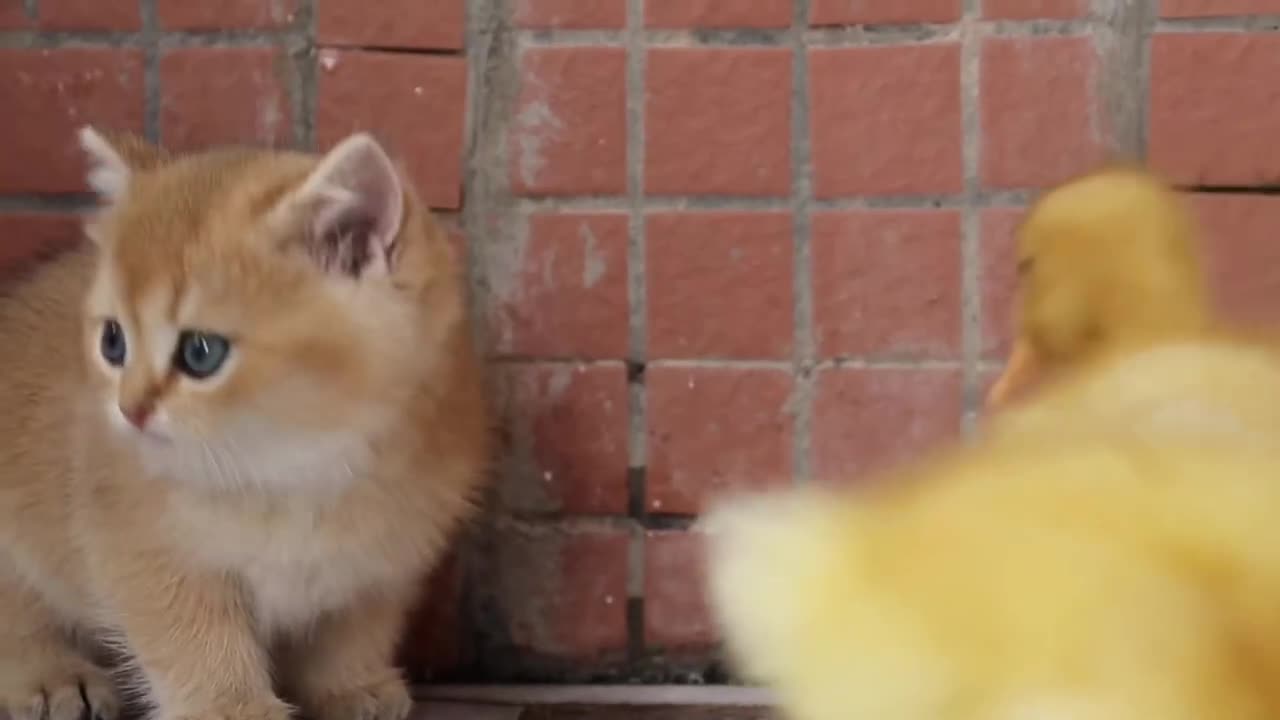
[[137, 415]]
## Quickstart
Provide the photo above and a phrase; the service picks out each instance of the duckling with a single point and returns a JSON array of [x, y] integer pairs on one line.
[[1106, 262]]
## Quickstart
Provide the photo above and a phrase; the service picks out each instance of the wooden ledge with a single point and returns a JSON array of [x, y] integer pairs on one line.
[[605, 702]]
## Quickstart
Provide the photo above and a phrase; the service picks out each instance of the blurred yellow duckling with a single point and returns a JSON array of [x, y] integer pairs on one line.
[[1106, 549], [1100, 579], [1107, 261]]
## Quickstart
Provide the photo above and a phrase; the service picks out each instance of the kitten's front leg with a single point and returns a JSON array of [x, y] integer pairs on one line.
[[42, 676], [193, 638], [343, 668]]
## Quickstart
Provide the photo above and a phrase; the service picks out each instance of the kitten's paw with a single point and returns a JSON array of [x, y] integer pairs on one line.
[[385, 700], [70, 689], [266, 709]]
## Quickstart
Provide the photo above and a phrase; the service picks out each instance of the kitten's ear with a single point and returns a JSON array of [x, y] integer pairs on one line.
[[353, 205], [113, 158]]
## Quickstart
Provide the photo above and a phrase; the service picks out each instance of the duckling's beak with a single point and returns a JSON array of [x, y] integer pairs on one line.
[[1020, 371]]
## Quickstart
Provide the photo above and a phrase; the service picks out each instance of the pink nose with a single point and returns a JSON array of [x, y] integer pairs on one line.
[[137, 415]]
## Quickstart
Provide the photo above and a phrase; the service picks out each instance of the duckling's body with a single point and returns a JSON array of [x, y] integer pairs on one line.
[[1105, 549]]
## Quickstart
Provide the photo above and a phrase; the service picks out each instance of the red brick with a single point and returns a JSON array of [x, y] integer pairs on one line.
[[1035, 9], [886, 120], [437, 24], [568, 430], [1210, 124], [713, 429], [886, 284], [718, 121], [229, 14], [857, 12], [48, 95], [13, 15], [569, 134], [434, 641], [999, 279], [563, 593], [90, 15], [1243, 255], [571, 14], [568, 296], [416, 103], [676, 612], [866, 419], [1040, 119], [215, 96], [27, 235], [1216, 8], [720, 285], [717, 13]]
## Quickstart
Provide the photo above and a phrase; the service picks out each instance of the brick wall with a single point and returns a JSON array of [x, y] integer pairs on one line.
[[715, 243]]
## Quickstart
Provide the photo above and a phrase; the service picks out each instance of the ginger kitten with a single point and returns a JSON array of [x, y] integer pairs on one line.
[[238, 429]]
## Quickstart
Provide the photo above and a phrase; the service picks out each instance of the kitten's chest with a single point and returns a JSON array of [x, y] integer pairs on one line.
[[294, 565]]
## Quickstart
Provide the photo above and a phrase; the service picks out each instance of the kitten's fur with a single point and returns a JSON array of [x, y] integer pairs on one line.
[[264, 534]]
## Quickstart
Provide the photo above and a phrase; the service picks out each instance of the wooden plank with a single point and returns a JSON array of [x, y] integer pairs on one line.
[[726, 696], [464, 711], [649, 712]]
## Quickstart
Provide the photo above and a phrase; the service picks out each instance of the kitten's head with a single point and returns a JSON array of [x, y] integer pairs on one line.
[[257, 317]]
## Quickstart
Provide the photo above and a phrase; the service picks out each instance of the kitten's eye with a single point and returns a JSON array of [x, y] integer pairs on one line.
[[200, 354], [112, 344]]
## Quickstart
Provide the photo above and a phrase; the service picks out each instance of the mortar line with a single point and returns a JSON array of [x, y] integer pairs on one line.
[[971, 235], [801, 223], [857, 35], [491, 226], [31, 8], [477, 54], [149, 37], [53, 203], [650, 204], [843, 361], [303, 56], [142, 39], [1146, 28], [668, 203], [1240, 23], [637, 449], [852, 36], [1121, 39]]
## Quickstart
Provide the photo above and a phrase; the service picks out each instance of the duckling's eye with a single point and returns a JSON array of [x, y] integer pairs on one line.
[[112, 344], [200, 354]]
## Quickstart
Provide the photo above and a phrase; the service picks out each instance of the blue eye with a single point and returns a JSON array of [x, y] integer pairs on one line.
[[200, 354], [112, 344]]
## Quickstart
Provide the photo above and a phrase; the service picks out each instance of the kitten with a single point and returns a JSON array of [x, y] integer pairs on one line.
[[238, 429]]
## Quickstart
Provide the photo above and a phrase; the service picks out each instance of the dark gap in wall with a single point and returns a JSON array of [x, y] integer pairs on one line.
[[1265, 189], [719, 673], [637, 483], [395, 50], [636, 491], [635, 628], [635, 372], [668, 521]]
